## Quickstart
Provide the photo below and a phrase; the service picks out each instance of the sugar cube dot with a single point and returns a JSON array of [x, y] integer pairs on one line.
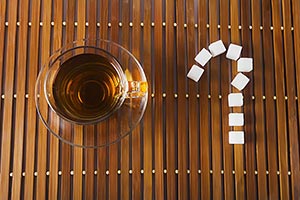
[[240, 81], [245, 65], [234, 52], [203, 57], [236, 119], [195, 73], [235, 99], [236, 137], [217, 48]]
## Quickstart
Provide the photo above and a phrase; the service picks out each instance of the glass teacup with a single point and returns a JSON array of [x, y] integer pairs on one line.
[[94, 86]]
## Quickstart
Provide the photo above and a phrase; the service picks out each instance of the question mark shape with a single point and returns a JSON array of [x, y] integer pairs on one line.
[[240, 81]]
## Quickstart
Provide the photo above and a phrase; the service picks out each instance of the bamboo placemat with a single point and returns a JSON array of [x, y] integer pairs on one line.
[[180, 150]]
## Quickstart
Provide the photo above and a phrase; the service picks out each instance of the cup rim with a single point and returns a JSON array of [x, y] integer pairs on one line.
[[116, 66]]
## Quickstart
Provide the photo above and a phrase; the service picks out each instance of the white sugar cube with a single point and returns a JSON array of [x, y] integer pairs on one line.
[[236, 137], [195, 73], [245, 65], [217, 48], [203, 57], [236, 119], [240, 81], [234, 52], [235, 99]]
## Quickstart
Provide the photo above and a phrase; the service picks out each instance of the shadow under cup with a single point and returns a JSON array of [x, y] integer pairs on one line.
[[91, 93]]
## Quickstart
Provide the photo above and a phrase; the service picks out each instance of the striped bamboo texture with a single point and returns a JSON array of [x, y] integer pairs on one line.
[[180, 150]]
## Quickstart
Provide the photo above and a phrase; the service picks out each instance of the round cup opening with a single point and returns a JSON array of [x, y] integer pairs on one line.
[[85, 88]]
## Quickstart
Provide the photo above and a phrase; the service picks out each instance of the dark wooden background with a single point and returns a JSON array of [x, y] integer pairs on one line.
[[180, 150]]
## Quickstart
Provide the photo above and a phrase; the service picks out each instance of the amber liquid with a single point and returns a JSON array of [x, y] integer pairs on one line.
[[87, 87]]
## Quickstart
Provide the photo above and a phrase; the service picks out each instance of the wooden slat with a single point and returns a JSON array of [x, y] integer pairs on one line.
[[136, 146], [148, 143], [8, 102], [193, 101], [291, 103], [78, 129], [269, 102], [102, 153], [81, 17], [91, 31], [182, 150], [159, 192], [31, 116], [90, 129], [66, 164], [238, 149], [2, 40], [170, 101], [20, 107], [102, 163], [113, 165], [42, 138], [250, 150], [70, 17], [67, 133], [204, 128], [104, 19], [215, 104], [113, 149], [89, 134], [77, 180], [2, 31], [225, 78], [280, 102], [125, 187], [296, 25], [259, 104], [53, 168], [54, 124]]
